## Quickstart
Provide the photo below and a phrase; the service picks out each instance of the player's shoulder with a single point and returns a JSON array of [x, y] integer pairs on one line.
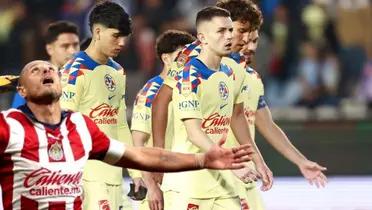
[[153, 83], [115, 65], [252, 72]]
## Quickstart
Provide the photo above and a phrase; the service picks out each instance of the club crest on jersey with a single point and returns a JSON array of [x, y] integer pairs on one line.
[[181, 60], [55, 151], [110, 83], [223, 90]]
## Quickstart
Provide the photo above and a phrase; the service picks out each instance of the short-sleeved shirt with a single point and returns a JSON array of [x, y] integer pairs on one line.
[[42, 165], [142, 117], [208, 95], [97, 91]]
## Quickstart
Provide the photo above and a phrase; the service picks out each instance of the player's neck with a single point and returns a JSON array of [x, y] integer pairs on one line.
[[96, 54], [164, 72], [210, 59], [49, 113]]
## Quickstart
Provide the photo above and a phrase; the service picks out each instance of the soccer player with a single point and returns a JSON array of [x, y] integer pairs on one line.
[[244, 18], [203, 102], [168, 46], [43, 149], [94, 84], [62, 41], [258, 114]]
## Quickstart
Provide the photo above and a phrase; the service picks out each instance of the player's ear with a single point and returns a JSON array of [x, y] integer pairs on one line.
[[49, 49], [165, 58], [22, 91], [97, 32], [201, 38]]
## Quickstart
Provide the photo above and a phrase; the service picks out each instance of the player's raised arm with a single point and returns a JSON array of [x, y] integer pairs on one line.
[[160, 115]]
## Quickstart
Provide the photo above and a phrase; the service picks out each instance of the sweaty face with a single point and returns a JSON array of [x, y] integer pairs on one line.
[[40, 83], [240, 35], [217, 35], [111, 41], [249, 49], [61, 50]]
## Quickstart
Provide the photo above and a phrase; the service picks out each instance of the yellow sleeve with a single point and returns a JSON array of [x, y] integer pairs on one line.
[[72, 91], [240, 84], [141, 117]]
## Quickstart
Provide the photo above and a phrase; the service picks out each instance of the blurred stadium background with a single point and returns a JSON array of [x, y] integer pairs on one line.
[[315, 57]]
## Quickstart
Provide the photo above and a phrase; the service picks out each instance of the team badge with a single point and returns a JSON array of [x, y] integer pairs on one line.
[[110, 83], [223, 90], [181, 60], [55, 151]]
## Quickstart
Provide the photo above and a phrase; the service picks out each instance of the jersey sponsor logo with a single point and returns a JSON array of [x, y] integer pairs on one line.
[[44, 182], [103, 205], [223, 90], [111, 97], [245, 88], [104, 114], [186, 88], [249, 115], [189, 105], [244, 204], [110, 83], [216, 124], [172, 73], [141, 116], [223, 105], [192, 206], [68, 95]]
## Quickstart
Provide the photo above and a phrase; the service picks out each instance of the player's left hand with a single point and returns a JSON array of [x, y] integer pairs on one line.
[[313, 172], [218, 157]]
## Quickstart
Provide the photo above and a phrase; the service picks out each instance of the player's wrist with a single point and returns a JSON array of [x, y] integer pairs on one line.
[[200, 160]]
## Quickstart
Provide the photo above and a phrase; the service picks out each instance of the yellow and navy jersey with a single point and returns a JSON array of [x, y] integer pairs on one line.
[[208, 95], [142, 117], [97, 91], [191, 50], [255, 99]]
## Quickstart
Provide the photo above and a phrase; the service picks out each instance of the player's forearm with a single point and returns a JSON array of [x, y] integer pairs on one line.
[[158, 160], [275, 136], [196, 135], [239, 126], [160, 117], [139, 138]]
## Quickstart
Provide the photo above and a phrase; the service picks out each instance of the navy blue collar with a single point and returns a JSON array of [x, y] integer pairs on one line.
[[27, 111]]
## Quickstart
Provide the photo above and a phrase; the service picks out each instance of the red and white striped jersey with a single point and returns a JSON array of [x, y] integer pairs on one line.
[[42, 165]]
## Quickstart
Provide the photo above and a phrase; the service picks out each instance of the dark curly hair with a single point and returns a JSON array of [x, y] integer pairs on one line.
[[244, 11], [111, 15], [170, 40]]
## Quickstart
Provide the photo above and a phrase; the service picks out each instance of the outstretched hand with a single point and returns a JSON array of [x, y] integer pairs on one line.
[[313, 172], [218, 157]]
